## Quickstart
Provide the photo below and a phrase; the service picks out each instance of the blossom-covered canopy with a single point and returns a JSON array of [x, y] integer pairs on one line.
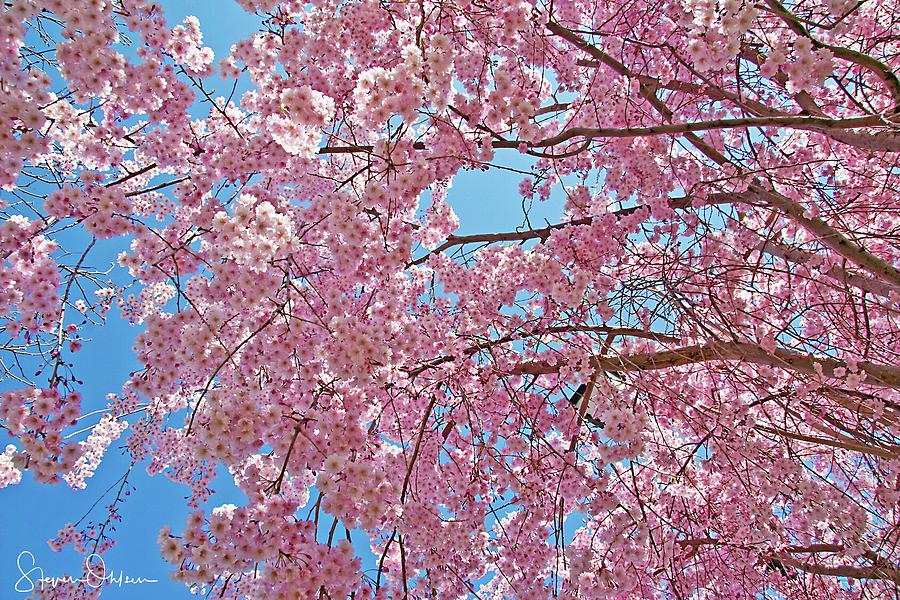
[[722, 281]]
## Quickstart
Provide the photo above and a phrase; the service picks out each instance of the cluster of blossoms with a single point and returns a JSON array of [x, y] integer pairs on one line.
[[21, 120], [10, 474], [439, 61], [234, 539], [808, 68], [174, 458], [258, 53], [66, 536], [15, 233], [254, 234], [622, 424], [186, 48], [30, 287], [135, 309], [297, 128], [103, 209], [228, 432], [613, 573], [92, 450], [38, 417], [86, 57], [359, 344], [89, 541], [357, 495], [717, 28], [22, 95], [382, 93], [351, 239], [78, 144], [515, 96], [839, 8], [441, 220]]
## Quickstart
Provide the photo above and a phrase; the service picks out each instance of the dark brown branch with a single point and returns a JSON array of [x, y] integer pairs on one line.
[[890, 573], [137, 173], [830, 237], [871, 285], [608, 331], [876, 374], [156, 187], [797, 256], [591, 133], [544, 232]]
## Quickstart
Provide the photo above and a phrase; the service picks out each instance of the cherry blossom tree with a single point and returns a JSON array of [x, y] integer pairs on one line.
[[721, 288]]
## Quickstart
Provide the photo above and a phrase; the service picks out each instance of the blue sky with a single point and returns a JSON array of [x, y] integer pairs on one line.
[[34, 512]]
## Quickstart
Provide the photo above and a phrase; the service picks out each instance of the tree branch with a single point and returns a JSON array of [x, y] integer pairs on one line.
[[876, 374]]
